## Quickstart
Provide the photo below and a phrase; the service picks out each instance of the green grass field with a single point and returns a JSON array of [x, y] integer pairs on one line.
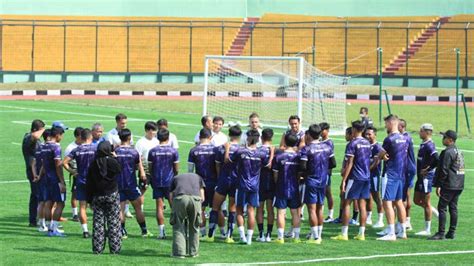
[[20, 244]]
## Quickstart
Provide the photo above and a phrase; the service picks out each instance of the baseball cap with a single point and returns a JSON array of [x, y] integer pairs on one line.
[[426, 126], [60, 124], [450, 134]]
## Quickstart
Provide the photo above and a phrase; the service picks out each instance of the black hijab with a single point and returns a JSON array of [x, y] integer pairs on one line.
[[104, 151]]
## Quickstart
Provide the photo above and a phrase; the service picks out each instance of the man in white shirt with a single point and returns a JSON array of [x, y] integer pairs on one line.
[[143, 146], [218, 137], [206, 122], [172, 140], [112, 136]]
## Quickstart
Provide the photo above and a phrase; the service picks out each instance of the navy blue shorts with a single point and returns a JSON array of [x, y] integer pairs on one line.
[[425, 185], [293, 203], [81, 194], [356, 189], [314, 195], [54, 193], [209, 195], [246, 198], [226, 189], [161, 193], [375, 184], [264, 195], [42, 192], [392, 189], [130, 194]]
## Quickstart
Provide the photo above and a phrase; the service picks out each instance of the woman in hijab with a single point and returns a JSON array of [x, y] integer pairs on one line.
[[102, 194]]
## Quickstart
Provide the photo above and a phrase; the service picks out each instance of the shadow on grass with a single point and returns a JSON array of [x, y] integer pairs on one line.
[[125, 253]]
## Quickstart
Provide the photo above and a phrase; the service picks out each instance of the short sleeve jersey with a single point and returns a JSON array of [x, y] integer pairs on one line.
[[203, 157], [50, 153], [396, 146], [426, 151], [359, 149], [228, 170], [317, 155], [161, 161], [286, 164], [266, 175], [249, 162], [128, 158], [375, 150], [84, 155]]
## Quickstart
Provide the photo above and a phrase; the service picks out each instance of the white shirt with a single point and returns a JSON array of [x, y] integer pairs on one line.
[[114, 138], [144, 146], [243, 138], [173, 141], [196, 138], [219, 139], [70, 147]]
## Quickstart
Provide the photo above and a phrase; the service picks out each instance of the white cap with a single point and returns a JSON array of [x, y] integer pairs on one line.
[[427, 126]]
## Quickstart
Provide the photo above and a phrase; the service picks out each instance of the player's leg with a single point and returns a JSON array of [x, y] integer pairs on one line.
[[250, 222], [330, 201], [41, 217], [281, 215], [231, 219], [261, 206], [346, 208], [213, 215], [123, 203], [240, 198], [378, 202], [401, 214], [313, 220], [295, 222], [362, 218], [160, 217], [74, 202], [137, 206], [408, 208], [48, 214], [58, 199], [83, 218], [270, 219], [355, 213]]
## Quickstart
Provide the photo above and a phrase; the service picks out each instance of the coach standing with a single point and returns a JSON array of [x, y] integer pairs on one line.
[[186, 195], [449, 183], [29, 145]]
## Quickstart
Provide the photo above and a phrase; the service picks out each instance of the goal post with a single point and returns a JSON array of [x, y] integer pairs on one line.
[[275, 88]]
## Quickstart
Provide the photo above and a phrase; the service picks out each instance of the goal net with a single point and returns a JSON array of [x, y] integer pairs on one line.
[[275, 88]]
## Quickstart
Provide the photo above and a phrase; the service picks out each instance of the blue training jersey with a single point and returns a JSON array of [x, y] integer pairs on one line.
[[411, 161], [161, 160], [203, 156], [425, 155], [359, 149], [375, 150], [266, 175], [317, 155], [396, 146], [50, 153], [249, 162], [299, 135], [128, 158], [286, 164], [228, 170], [84, 156], [39, 163]]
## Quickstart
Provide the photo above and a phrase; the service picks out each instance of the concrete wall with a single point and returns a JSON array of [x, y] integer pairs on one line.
[[236, 8]]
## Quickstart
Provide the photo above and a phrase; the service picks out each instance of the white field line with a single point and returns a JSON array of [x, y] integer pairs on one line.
[[357, 258], [144, 120]]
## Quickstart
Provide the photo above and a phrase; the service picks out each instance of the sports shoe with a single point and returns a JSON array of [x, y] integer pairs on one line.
[[378, 225], [434, 211], [402, 235], [223, 236], [128, 214], [85, 235], [308, 236], [359, 237], [328, 219], [229, 240], [423, 233], [75, 218], [384, 232], [243, 241], [301, 217], [340, 237], [437, 236], [368, 222], [55, 233], [147, 234], [289, 234], [60, 230], [208, 239], [124, 237], [268, 239], [353, 222], [260, 239], [296, 240], [314, 241], [62, 219], [279, 241], [450, 235], [161, 237], [42, 229], [337, 221], [388, 237], [408, 226]]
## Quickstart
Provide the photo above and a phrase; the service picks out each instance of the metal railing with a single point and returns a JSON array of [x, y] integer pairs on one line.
[[178, 47]]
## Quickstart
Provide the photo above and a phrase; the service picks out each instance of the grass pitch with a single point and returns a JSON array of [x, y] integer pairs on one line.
[[22, 245]]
